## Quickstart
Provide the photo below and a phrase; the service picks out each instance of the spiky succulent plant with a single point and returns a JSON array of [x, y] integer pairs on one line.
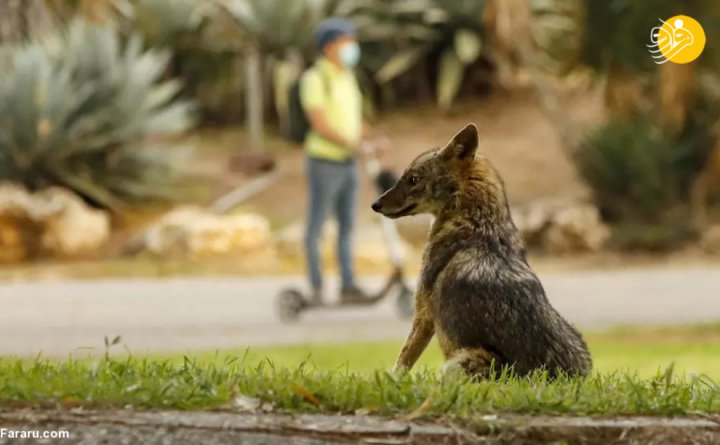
[[83, 110]]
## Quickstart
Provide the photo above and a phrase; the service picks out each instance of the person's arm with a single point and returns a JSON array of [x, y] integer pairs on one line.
[[319, 122]]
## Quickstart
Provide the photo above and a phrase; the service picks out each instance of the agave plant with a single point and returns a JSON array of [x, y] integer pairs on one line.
[[402, 34], [456, 33], [161, 22], [275, 26], [83, 111]]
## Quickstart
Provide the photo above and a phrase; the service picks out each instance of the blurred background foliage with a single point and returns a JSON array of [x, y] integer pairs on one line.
[[663, 121], [413, 49], [237, 60]]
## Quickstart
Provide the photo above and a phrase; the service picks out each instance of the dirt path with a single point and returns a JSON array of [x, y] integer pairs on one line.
[[130, 427], [180, 315], [515, 134]]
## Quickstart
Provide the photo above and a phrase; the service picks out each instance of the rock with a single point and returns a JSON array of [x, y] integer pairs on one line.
[[52, 222], [71, 228], [710, 240], [562, 226], [194, 232], [576, 229], [14, 200], [12, 248]]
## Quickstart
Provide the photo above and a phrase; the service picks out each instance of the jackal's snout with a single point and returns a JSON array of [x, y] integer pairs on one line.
[[396, 202]]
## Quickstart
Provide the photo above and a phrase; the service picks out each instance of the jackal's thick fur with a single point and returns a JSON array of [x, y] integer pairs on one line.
[[477, 292]]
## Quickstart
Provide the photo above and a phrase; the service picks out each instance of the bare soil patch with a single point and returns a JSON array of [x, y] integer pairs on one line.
[[516, 135]]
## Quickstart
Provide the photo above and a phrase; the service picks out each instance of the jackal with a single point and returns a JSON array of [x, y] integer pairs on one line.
[[476, 292]]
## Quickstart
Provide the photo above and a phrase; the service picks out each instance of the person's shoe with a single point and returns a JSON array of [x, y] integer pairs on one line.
[[353, 295], [315, 297]]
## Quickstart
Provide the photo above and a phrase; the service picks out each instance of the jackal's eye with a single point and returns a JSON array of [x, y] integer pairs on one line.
[[414, 180]]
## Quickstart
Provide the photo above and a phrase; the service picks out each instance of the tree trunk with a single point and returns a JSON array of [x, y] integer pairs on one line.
[[515, 41], [703, 184], [510, 25], [285, 73], [676, 91], [558, 114], [254, 98], [423, 88]]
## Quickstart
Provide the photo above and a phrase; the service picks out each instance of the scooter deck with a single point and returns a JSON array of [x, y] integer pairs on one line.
[[291, 303], [340, 304]]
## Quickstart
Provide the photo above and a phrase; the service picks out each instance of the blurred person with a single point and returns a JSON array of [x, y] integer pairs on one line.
[[333, 103]]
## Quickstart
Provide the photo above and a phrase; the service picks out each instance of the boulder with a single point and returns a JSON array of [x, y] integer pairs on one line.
[[562, 226], [70, 227], [710, 240], [194, 232], [12, 247], [52, 222], [14, 201]]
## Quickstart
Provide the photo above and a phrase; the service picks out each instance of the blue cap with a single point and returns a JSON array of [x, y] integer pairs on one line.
[[332, 29]]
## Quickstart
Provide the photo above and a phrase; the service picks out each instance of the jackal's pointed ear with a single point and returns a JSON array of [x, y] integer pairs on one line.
[[462, 146]]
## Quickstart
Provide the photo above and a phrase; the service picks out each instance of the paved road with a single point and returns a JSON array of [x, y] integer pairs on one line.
[[179, 315]]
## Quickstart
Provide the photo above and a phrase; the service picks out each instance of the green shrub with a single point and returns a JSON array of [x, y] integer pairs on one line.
[[628, 166], [640, 179], [85, 111]]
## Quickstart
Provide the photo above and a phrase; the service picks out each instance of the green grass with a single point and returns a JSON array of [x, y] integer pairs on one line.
[[664, 372], [691, 349], [148, 383]]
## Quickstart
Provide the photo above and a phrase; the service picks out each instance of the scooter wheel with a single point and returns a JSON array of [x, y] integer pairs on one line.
[[405, 303], [288, 305]]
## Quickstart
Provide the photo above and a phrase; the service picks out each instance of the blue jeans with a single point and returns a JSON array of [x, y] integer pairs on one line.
[[332, 186]]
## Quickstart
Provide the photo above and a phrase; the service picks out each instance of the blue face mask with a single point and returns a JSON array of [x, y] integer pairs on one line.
[[349, 54]]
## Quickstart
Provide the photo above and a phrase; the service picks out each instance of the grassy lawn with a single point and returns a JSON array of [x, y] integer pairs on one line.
[[671, 371], [693, 350]]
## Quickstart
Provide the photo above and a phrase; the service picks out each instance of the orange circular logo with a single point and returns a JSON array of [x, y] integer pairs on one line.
[[680, 39]]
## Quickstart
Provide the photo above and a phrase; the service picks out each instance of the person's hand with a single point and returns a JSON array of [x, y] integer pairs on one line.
[[382, 144], [368, 148], [375, 147]]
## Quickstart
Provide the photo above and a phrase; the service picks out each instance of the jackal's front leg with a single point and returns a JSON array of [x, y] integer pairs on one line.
[[421, 332]]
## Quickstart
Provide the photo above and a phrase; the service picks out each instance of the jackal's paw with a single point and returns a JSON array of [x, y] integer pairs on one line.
[[453, 371]]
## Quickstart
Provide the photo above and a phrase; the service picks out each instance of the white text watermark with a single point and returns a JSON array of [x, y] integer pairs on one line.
[[12, 433]]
